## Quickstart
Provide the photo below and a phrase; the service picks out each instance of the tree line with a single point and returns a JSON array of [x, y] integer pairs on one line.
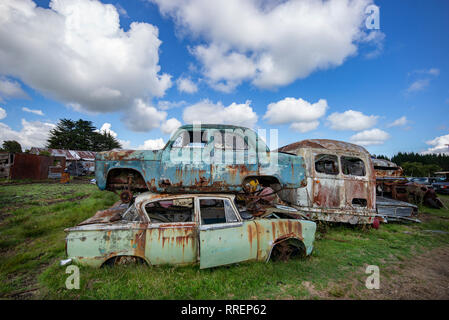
[[79, 135], [419, 165]]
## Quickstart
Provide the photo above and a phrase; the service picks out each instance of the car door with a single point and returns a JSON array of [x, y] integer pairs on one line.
[[328, 187], [224, 237], [233, 158], [172, 234]]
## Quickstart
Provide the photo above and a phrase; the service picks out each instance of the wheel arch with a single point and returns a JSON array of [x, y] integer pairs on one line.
[[120, 176], [111, 258], [293, 241]]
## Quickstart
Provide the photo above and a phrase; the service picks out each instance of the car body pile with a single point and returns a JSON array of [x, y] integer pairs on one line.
[[216, 195]]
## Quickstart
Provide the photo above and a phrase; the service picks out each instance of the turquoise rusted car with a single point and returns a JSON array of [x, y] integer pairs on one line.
[[209, 229], [206, 158]]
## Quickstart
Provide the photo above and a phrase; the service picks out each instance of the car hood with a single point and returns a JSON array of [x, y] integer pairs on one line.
[[106, 216]]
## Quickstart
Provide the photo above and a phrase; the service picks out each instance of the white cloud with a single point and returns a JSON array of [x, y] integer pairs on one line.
[[302, 114], [305, 126], [77, 53], [186, 85], [206, 111], [106, 128], [152, 144], [370, 137], [169, 126], [32, 134], [10, 88], [35, 111], [402, 121], [3, 113], [439, 145], [351, 120], [418, 85], [268, 43], [142, 117]]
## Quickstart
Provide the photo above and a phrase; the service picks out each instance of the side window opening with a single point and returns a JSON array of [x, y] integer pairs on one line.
[[173, 210], [230, 141], [188, 140], [216, 211], [352, 166], [326, 163]]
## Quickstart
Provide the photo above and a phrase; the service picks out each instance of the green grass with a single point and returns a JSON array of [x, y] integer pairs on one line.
[[32, 243]]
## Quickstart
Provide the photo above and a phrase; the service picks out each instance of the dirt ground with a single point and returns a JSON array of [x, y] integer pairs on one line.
[[424, 277]]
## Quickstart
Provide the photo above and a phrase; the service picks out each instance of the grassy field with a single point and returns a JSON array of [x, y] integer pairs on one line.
[[33, 217]]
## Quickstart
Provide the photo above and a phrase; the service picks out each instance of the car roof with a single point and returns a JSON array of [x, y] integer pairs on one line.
[[212, 126], [164, 196]]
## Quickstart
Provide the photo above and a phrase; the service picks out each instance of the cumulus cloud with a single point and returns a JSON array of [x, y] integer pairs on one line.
[[305, 126], [402, 121], [76, 52], [169, 126], [206, 111], [351, 120], [186, 85], [152, 144], [268, 43], [35, 111], [302, 115], [106, 128], [438, 145], [11, 88], [32, 133], [143, 117], [370, 137], [3, 113]]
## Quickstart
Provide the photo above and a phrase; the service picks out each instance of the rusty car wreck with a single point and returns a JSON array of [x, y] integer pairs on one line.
[[206, 158], [209, 229], [391, 183], [340, 182]]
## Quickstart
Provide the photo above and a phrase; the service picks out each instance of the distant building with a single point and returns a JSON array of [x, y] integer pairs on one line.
[[77, 162]]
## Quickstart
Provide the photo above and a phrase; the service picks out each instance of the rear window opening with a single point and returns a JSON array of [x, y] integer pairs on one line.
[[352, 166], [326, 163], [166, 211]]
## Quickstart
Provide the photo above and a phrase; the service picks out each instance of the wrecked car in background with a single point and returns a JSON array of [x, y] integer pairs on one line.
[[206, 158], [340, 182], [391, 183], [185, 229], [442, 186]]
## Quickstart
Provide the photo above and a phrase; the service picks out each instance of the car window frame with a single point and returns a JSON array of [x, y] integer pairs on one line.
[[144, 211], [352, 175], [316, 154], [236, 212]]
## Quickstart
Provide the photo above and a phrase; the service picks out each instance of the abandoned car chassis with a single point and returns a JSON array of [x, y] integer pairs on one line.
[[186, 229]]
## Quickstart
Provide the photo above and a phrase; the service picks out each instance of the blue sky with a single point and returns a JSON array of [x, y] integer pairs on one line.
[[386, 89]]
